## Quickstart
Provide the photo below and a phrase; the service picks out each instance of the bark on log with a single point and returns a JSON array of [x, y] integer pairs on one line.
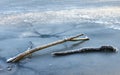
[[86, 50]]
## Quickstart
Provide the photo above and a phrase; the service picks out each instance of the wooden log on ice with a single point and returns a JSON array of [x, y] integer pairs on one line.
[[86, 50]]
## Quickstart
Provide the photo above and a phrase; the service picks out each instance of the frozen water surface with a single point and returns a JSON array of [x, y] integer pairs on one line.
[[45, 21]]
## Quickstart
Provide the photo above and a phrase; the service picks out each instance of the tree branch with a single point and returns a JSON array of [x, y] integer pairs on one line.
[[22, 55]]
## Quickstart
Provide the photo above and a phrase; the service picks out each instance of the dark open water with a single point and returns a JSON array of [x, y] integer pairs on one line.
[[44, 21]]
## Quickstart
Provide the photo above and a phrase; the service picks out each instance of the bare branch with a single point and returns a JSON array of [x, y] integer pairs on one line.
[[22, 55]]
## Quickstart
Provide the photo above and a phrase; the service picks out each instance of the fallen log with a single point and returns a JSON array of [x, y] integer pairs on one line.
[[86, 50], [28, 52]]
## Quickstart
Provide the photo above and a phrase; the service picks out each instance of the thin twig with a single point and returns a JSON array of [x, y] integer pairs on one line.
[[22, 55]]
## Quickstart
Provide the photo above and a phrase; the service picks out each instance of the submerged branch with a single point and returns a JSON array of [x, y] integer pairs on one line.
[[28, 52]]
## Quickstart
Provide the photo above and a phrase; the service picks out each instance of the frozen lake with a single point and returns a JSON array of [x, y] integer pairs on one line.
[[45, 21]]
